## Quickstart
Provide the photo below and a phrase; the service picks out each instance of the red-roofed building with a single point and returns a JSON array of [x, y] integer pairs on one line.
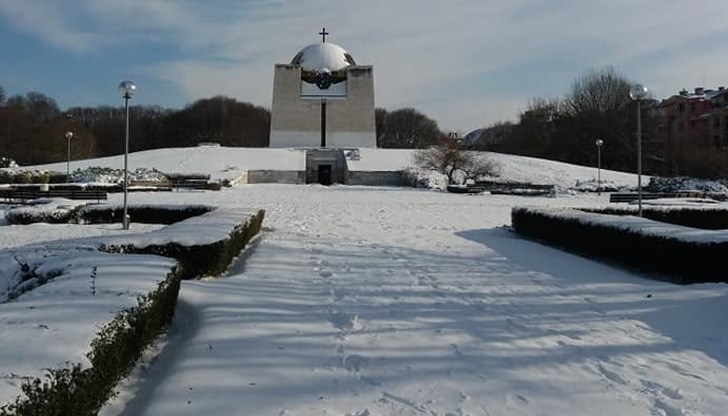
[[693, 120]]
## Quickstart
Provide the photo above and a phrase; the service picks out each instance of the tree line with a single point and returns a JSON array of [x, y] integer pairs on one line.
[[33, 127], [597, 106]]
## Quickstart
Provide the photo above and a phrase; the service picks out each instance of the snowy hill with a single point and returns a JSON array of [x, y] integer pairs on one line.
[[230, 162]]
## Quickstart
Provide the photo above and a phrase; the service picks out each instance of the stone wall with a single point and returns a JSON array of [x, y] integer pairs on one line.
[[377, 178], [294, 177]]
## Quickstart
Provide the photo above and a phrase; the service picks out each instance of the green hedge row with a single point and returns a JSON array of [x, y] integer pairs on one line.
[[81, 391], [203, 260], [705, 219], [105, 214], [146, 214], [31, 176], [120, 343], [668, 258]]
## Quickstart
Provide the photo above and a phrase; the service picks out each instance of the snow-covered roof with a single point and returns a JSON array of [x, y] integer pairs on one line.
[[320, 56]]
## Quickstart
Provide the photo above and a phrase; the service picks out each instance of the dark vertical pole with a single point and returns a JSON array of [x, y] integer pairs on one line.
[[125, 219], [323, 123], [639, 156], [68, 161]]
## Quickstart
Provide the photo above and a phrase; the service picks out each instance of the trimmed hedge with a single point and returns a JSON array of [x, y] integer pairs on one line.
[[76, 391], [677, 260], [79, 391], [203, 260], [105, 214], [705, 219], [146, 214]]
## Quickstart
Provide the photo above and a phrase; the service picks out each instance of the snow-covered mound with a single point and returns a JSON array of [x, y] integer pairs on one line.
[[231, 162], [683, 183], [219, 162]]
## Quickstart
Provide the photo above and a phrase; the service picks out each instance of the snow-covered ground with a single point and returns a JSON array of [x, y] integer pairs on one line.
[[395, 301], [231, 162]]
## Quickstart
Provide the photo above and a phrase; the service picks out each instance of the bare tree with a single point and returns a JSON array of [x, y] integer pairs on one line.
[[599, 91], [457, 164]]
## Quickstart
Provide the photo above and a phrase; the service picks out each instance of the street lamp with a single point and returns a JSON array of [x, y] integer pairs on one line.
[[638, 92], [599, 144], [127, 89], [69, 136]]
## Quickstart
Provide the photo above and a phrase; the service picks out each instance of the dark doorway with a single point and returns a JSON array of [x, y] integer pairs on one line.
[[324, 174]]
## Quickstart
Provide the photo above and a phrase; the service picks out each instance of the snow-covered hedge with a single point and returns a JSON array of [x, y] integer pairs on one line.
[[59, 211], [40, 211], [78, 389], [684, 183], [705, 217], [24, 176], [146, 214], [673, 252], [6, 162], [203, 245]]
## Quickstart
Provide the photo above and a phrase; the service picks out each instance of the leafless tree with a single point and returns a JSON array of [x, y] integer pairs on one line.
[[599, 91], [457, 164]]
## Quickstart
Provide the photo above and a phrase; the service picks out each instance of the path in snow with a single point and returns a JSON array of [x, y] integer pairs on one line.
[[398, 303]]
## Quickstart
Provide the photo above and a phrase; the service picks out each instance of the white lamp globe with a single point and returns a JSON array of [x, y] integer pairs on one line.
[[127, 89], [638, 92]]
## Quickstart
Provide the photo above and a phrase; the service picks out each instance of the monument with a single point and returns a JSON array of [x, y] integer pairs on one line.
[[323, 99]]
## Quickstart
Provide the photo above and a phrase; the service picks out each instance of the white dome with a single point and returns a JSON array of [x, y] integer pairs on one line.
[[320, 56]]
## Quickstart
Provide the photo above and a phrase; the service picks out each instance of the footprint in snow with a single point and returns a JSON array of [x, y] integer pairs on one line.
[[355, 362], [344, 321], [612, 376], [657, 388]]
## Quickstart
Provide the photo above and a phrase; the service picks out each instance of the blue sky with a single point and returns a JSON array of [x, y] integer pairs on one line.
[[465, 63]]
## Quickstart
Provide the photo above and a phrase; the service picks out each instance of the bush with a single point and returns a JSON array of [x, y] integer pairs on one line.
[[203, 260], [30, 215], [76, 391], [146, 214], [6, 162], [677, 260], [705, 219], [23, 176]]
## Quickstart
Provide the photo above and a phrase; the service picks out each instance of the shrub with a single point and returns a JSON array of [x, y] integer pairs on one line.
[[74, 390], [203, 260], [675, 259], [32, 215], [147, 214], [706, 219]]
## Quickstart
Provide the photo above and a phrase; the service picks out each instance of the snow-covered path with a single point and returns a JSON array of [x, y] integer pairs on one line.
[[397, 302]]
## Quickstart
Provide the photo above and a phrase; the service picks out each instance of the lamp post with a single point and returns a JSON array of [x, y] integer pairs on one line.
[[127, 89], [599, 143], [638, 92], [69, 136]]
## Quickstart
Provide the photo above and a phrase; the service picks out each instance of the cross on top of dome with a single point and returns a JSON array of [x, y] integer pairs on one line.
[[323, 33]]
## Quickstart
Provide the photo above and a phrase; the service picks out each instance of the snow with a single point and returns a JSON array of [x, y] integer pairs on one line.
[[219, 162], [640, 225], [232, 162], [395, 301], [56, 322]]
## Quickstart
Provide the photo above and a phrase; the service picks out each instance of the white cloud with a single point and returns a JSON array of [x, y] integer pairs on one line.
[[47, 20], [419, 48]]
